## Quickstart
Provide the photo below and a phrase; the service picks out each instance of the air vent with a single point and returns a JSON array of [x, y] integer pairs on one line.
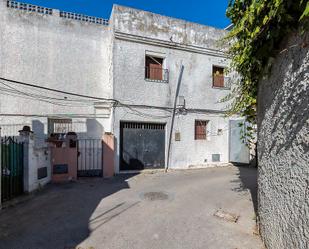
[[216, 158]]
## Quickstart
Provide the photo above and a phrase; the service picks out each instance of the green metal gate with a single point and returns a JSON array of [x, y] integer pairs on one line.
[[12, 167]]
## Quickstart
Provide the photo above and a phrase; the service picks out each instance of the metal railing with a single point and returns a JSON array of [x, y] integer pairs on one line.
[[29, 7], [84, 18], [156, 74]]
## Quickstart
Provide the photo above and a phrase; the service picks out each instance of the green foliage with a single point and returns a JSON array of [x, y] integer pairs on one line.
[[259, 27], [306, 12]]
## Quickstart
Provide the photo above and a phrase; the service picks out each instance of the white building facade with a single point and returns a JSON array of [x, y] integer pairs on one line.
[[154, 82]]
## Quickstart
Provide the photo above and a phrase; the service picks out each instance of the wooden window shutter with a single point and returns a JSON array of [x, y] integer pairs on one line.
[[200, 129], [154, 68], [218, 76]]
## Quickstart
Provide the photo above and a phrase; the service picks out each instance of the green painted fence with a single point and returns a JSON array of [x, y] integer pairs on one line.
[[12, 167]]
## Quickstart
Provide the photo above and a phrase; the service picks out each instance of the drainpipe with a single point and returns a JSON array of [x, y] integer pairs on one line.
[[173, 119]]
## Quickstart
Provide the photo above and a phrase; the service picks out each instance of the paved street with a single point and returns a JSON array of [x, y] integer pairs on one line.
[[146, 211]]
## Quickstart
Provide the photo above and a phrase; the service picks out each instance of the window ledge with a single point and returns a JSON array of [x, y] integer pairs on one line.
[[158, 81], [222, 88]]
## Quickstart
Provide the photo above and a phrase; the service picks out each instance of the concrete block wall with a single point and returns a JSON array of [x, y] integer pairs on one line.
[[283, 147]]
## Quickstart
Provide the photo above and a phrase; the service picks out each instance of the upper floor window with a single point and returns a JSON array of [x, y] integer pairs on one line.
[[154, 68], [219, 79]]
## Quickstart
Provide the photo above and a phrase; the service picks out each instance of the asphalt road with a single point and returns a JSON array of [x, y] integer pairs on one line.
[[172, 210]]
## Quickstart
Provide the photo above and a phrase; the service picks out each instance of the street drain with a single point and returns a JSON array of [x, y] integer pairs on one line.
[[155, 196]]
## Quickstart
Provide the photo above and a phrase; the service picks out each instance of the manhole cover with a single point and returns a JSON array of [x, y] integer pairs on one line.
[[155, 196]]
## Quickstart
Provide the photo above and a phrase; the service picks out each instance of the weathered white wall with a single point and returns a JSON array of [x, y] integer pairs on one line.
[[198, 153], [283, 148], [35, 157], [54, 52], [137, 32], [162, 28], [109, 62]]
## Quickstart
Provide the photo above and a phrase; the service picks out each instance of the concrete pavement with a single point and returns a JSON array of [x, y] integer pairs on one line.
[[173, 210]]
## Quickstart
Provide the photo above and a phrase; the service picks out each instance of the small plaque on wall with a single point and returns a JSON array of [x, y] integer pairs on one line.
[[177, 136], [59, 169], [42, 173]]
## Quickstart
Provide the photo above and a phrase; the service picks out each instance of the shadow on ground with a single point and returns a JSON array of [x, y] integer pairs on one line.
[[62, 214], [247, 180]]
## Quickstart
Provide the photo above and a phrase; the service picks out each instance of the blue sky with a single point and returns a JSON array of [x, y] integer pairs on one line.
[[206, 12]]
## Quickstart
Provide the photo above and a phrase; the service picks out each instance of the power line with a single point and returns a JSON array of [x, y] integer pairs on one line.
[[17, 93], [41, 96], [116, 103], [56, 90]]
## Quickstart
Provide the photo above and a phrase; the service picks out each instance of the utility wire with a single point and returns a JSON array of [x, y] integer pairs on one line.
[[39, 96], [17, 93], [116, 103], [56, 90]]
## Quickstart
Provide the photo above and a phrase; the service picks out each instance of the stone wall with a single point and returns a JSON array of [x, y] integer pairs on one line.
[[283, 148]]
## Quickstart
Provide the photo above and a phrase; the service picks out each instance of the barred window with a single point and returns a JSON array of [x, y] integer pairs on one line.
[[200, 129], [59, 126]]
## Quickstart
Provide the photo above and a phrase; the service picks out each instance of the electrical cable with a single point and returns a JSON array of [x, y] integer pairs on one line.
[[26, 96], [55, 90], [115, 103], [40, 96]]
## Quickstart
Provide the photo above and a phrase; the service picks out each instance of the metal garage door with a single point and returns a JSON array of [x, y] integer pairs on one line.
[[142, 146]]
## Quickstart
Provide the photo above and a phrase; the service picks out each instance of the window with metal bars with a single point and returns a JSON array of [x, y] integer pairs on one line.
[[200, 129], [59, 126]]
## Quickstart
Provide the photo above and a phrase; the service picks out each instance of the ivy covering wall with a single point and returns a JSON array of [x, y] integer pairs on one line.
[[259, 26]]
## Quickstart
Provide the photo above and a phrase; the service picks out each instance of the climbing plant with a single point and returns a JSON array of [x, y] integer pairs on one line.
[[259, 26]]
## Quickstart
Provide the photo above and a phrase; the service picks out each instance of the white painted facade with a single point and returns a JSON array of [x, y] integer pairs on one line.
[[196, 48], [54, 52], [109, 62]]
